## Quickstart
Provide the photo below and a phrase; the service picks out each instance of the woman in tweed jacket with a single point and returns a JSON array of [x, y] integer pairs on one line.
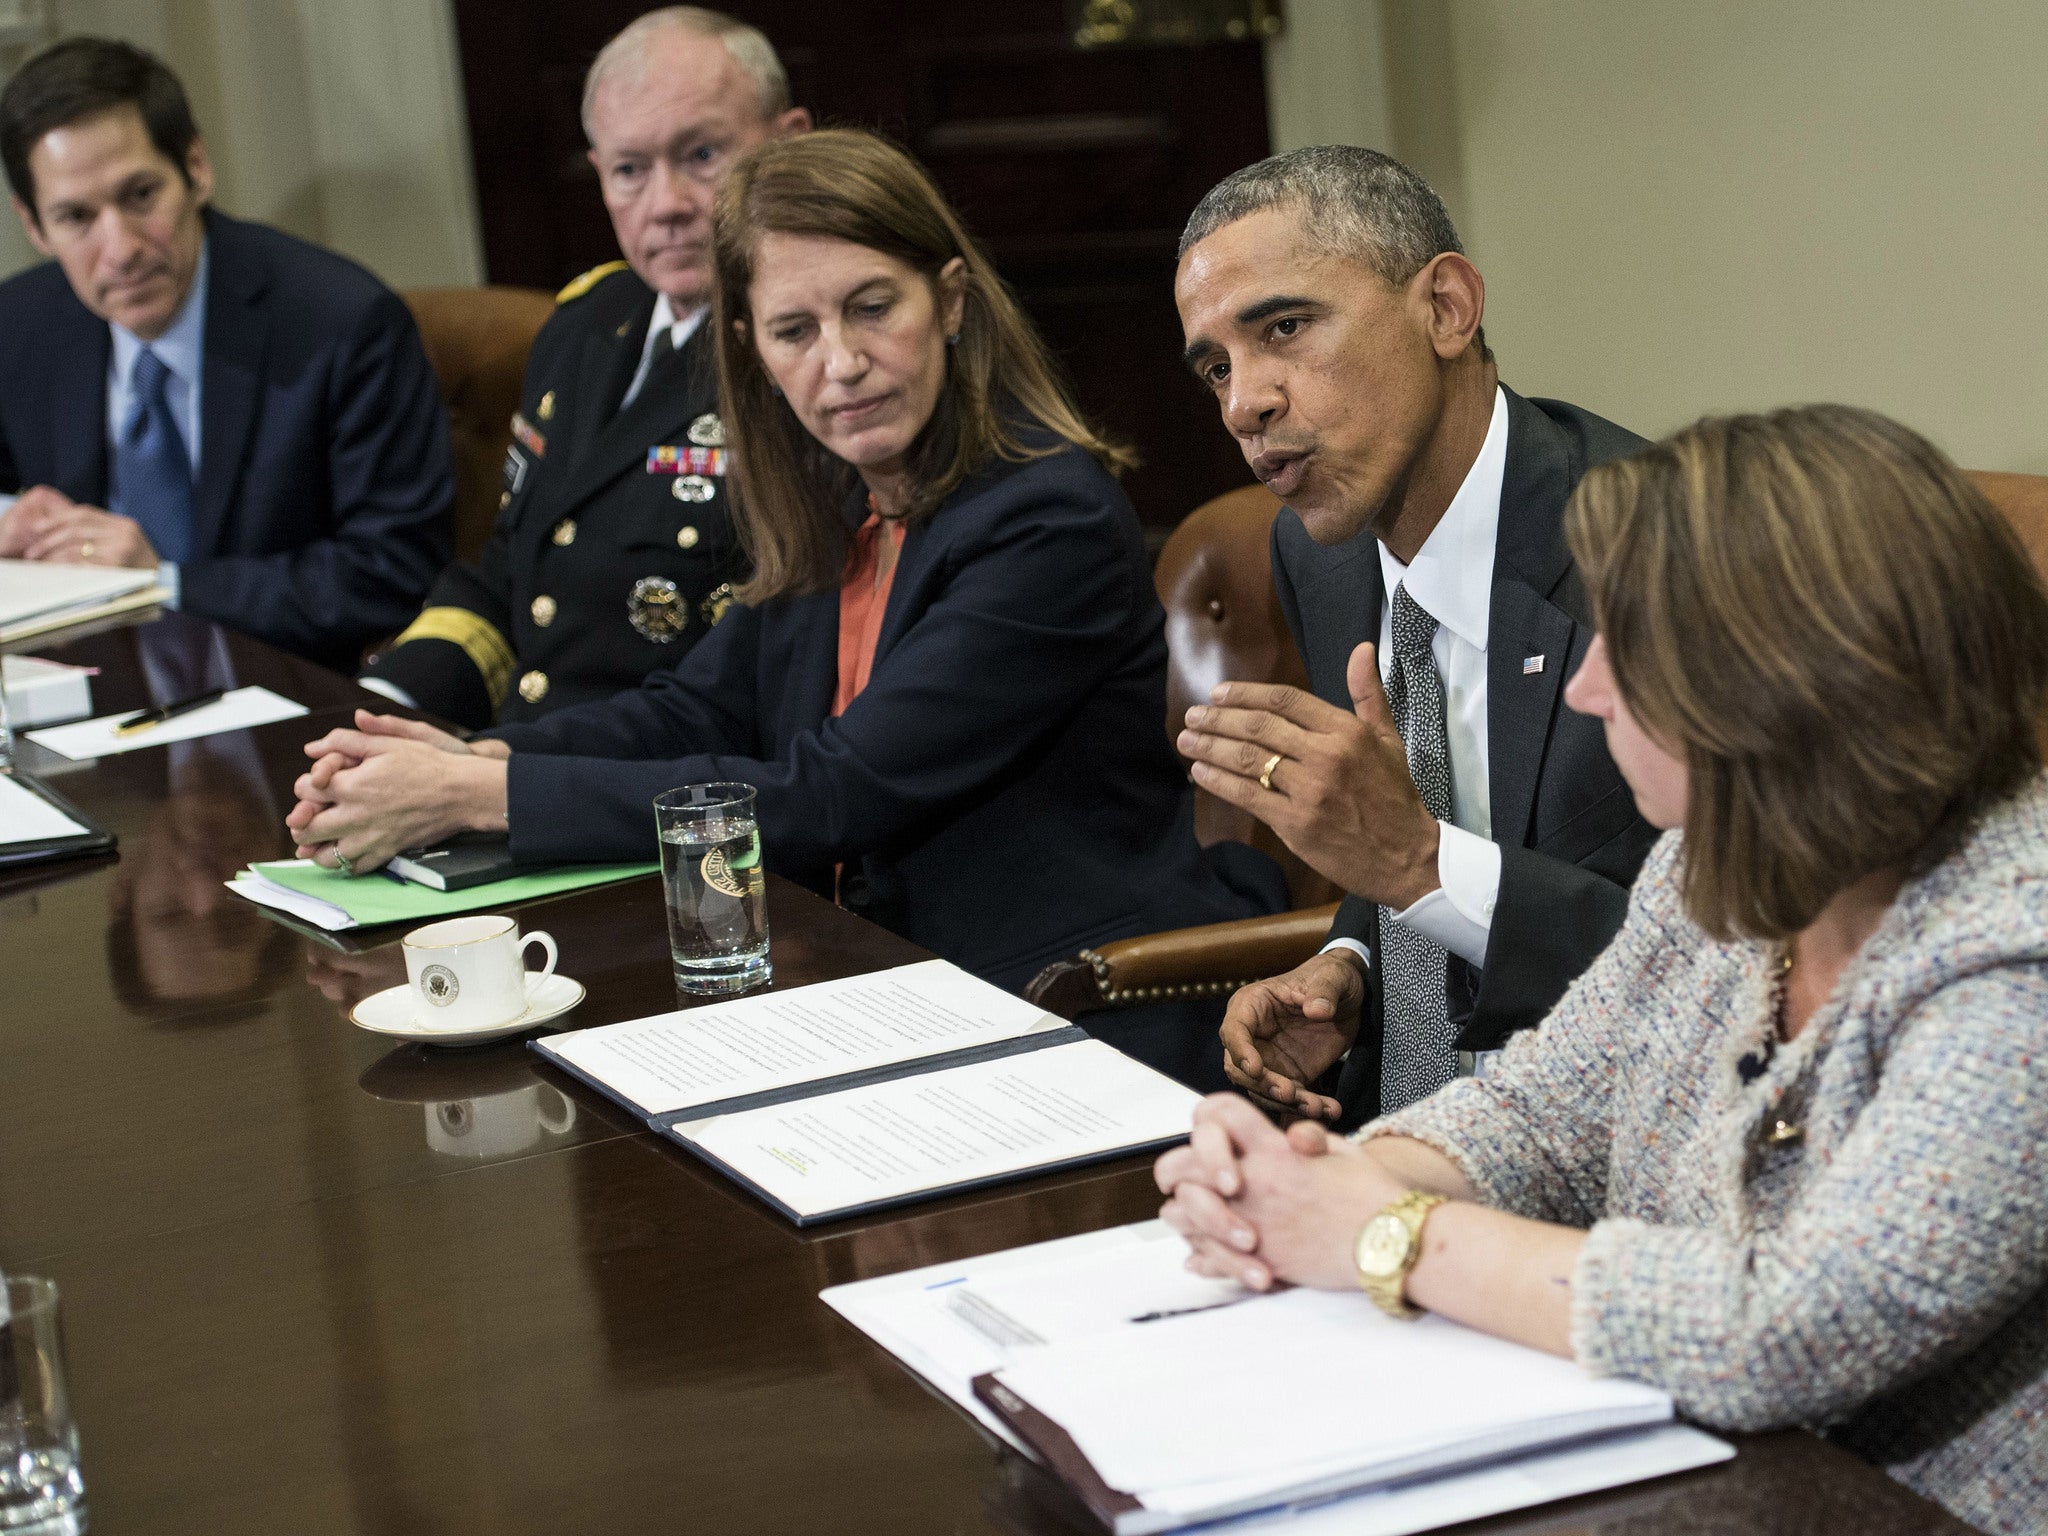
[[1783, 1149]]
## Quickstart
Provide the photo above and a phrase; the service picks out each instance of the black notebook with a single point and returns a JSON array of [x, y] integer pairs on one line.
[[466, 859], [38, 825]]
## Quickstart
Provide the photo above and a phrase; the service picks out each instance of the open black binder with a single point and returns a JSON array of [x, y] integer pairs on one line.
[[1024, 1093]]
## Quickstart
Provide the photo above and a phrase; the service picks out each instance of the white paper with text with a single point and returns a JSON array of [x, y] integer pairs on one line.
[[775, 1040], [842, 1151]]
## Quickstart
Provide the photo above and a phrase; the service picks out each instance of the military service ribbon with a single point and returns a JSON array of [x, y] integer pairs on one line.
[[682, 460]]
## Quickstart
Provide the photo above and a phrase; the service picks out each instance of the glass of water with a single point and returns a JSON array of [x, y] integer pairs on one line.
[[41, 1491], [717, 892]]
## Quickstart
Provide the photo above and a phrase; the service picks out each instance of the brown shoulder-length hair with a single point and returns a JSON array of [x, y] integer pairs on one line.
[[1002, 397], [1845, 641]]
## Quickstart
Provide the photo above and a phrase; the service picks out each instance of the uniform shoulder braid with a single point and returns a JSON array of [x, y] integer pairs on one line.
[[576, 287]]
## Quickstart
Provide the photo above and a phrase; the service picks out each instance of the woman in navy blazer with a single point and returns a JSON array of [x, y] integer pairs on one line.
[[1001, 789]]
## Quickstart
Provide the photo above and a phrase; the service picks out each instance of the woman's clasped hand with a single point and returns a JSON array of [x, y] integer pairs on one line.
[[387, 785]]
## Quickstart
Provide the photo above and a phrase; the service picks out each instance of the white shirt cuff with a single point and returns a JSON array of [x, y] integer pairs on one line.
[[1353, 945], [167, 578], [1458, 914], [391, 691]]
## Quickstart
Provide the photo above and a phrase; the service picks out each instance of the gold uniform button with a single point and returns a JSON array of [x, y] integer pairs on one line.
[[565, 531], [533, 687], [546, 411], [504, 500], [543, 610], [686, 536]]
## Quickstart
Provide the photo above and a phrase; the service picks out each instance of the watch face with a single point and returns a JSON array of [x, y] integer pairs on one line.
[[1382, 1246]]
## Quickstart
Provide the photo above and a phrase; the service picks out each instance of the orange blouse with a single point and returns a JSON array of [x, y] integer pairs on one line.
[[863, 599]]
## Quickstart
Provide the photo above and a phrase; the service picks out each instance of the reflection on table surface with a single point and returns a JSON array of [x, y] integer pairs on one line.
[[317, 1282]]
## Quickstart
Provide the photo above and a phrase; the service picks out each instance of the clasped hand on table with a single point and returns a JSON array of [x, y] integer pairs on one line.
[[45, 524], [391, 784], [1259, 1205], [1336, 789]]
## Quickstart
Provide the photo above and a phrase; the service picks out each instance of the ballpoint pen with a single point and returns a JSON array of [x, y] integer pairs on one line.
[[163, 712]]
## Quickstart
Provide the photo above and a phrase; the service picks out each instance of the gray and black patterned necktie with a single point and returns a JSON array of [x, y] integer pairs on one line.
[[1418, 1051]]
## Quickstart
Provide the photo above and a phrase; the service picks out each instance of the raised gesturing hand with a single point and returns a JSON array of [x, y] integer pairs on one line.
[[1334, 784]]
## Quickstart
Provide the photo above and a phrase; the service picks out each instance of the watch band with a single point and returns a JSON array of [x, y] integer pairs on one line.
[[1388, 1287]]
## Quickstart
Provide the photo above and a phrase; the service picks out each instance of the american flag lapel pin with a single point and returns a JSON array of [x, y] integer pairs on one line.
[[1531, 665]]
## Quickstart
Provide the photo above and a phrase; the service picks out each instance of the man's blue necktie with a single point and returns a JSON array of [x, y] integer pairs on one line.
[[152, 470]]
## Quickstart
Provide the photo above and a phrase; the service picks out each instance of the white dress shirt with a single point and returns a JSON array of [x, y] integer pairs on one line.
[[1451, 579], [183, 350], [680, 330]]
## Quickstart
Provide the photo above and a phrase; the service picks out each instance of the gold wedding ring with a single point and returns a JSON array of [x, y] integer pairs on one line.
[[1266, 773], [85, 550]]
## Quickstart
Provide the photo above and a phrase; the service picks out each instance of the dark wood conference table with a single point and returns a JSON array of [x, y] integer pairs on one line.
[[314, 1282]]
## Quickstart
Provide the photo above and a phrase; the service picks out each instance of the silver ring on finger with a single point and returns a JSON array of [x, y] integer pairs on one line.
[[341, 861], [1266, 773]]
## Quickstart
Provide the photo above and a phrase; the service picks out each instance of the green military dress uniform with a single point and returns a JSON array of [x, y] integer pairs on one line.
[[614, 550]]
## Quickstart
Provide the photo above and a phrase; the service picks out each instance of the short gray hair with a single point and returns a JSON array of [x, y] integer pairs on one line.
[[1356, 202], [749, 47]]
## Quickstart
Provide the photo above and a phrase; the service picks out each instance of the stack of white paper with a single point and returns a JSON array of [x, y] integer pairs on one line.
[[36, 595], [43, 692], [1196, 1400], [1191, 1418]]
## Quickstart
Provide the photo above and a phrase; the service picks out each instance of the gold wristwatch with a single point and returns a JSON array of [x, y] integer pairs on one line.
[[1387, 1248]]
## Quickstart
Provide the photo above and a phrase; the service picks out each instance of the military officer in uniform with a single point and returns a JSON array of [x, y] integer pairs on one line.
[[614, 550]]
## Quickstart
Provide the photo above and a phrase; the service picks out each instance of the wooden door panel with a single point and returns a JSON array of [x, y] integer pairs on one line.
[[1076, 170]]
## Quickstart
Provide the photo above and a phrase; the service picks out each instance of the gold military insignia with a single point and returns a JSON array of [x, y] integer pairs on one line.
[[543, 610], [504, 500], [657, 610], [565, 532], [546, 409], [686, 537], [716, 601], [692, 488], [533, 687], [707, 431], [579, 286]]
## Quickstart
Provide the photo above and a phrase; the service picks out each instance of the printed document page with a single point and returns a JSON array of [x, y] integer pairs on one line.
[[698, 1056], [26, 817], [840, 1151]]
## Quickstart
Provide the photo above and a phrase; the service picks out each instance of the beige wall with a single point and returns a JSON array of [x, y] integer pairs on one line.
[[1682, 208], [339, 120]]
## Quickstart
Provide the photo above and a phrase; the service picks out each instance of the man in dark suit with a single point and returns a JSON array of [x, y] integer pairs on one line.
[[1485, 837], [249, 415], [614, 551]]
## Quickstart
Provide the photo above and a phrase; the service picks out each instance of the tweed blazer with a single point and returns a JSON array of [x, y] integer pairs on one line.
[[1883, 1277]]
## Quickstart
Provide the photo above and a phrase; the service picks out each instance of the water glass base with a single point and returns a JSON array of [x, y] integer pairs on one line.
[[722, 977], [73, 1522]]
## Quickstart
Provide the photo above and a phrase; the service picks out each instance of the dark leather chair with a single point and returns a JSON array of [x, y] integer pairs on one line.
[[477, 340], [1223, 620]]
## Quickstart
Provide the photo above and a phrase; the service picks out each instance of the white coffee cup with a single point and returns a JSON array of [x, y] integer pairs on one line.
[[470, 972]]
